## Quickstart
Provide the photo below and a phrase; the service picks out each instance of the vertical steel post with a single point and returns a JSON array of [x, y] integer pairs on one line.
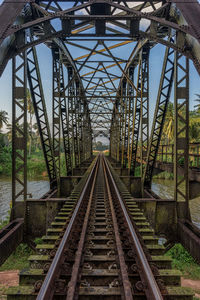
[[56, 109], [70, 114], [144, 109], [163, 96], [37, 96], [124, 120], [64, 120], [136, 121], [130, 113], [19, 132], [76, 122], [181, 139]]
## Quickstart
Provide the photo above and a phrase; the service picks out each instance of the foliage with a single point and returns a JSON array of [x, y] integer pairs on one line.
[[3, 223], [38, 241], [3, 118], [36, 165], [18, 260], [137, 171], [197, 100], [5, 160], [168, 129], [164, 175], [99, 146], [184, 262], [194, 124]]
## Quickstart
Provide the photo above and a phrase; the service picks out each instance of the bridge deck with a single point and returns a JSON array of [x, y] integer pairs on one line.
[[100, 245]]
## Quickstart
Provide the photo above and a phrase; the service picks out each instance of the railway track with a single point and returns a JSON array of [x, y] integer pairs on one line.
[[100, 247]]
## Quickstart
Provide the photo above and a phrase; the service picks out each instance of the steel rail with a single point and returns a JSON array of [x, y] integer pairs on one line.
[[123, 268], [75, 271], [152, 291], [47, 289]]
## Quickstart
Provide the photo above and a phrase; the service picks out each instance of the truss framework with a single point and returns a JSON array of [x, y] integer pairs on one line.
[[181, 138], [106, 90], [38, 100], [164, 93], [19, 130]]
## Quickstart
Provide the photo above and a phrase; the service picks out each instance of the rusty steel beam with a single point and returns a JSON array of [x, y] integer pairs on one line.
[[144, 109], [181, 135], [56, 109], [38, 99], [10, 237], [19, 131], [163, 96], [64, 121]]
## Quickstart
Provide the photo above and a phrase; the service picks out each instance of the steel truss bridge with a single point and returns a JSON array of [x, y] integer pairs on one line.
[[101, 51]]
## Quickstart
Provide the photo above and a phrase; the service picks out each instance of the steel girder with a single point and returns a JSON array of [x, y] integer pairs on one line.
[[140, 117], [144, 109], [131, 93], [72, 106], [123, 115], [77, 26], [37, 96], [19, 130], [181, 138], [64, 122], [56, 109], [164, 92], [160, 21]]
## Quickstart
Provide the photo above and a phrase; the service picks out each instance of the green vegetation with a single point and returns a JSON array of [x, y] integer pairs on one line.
[[184, 262], [4, 222], [99, 146], [18, 260], [164, 175], [36, 164], [194, 124]]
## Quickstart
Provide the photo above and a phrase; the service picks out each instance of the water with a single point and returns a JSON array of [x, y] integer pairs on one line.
[[164, 189], [36, 188]]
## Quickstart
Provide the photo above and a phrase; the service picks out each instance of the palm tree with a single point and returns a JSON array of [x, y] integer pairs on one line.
[[9, 132], [3, 118], [194, 132], [168, 128], [30, 110], [197, 100], [36, 135]]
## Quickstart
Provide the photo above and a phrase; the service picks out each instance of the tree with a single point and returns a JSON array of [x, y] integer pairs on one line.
[[30, 110], [36, 135], [168, 128], [9, 132], [3, 118], [194, 132], [197, 100]]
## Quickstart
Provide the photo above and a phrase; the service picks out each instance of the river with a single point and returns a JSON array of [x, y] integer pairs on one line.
[[35, 187], [162, 187]]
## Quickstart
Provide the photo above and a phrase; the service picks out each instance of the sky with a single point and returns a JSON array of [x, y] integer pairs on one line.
[[45, 61]]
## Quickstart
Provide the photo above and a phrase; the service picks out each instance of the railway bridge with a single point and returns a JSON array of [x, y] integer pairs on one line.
[[103, 230]]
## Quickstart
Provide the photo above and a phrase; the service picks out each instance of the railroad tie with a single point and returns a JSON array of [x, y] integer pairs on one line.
[[101, 261]]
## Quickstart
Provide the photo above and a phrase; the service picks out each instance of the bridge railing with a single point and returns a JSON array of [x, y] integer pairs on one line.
[[166, 154]]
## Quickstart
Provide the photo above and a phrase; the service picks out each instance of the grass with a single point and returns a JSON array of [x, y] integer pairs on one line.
[[3, 290], [18, 260], [164, 175], [184, 262], [3, 223]]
